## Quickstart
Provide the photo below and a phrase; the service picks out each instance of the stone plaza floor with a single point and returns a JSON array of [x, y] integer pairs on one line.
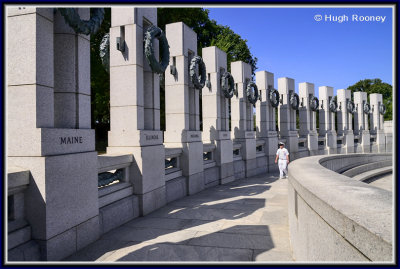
[[384, 182], [245, 220]]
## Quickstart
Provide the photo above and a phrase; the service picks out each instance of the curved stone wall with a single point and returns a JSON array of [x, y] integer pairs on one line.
[[335, 218]]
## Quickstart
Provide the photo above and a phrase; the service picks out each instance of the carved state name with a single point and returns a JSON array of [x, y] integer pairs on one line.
[[71, 140], [151, 137]]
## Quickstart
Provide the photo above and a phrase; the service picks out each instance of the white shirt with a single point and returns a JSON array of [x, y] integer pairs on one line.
[[282, 153]]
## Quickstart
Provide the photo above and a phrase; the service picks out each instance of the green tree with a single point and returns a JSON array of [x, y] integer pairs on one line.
[[100, 86], [209, 33], [235, 47], [376, 86]]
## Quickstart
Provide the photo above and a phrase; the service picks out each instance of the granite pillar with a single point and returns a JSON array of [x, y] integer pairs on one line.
[[182, 105], [216, 113], [135, 106], [376, 123], [48, 116], [287, 116], [327, 119], [242, 117], [345, 121], [361, 129], [265, 117], [308, 127]]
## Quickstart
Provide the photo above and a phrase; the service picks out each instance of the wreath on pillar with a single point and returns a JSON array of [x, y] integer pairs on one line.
[[314, 103], [198, 81], [351, 108], [382, 109], [294, 101], [89, 27], [366, 108], [228, 85], [333, 106], [252, 95], [151, 33], [274, 97]]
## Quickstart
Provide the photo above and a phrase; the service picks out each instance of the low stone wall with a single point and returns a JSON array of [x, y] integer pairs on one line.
[[388, 126], [335, 218]]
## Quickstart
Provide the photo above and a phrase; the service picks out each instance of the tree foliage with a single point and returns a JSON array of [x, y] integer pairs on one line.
[[100, 86], [209, 33], [376, 86], [100, 79]]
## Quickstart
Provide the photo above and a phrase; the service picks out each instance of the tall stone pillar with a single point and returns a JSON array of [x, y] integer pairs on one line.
[[345, 120], [135, 105], [377, 129], [287, 116], [361, 129], [182, 105], [48, 118], [265, 116], [216, 113], [242, 117], [327, 119], [308, 127]]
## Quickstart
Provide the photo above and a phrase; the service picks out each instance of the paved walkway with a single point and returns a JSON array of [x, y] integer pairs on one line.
[[384, 182], [245, 220]]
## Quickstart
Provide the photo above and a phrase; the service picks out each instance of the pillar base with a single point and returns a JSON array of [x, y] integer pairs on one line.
[[195, 183], [312, 142], [292, 142], [61, 202], [250, 167], [227, 173], [224, 158], [152, 200], [147, 175]]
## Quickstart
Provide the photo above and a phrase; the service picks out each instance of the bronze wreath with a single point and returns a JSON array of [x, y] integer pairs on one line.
[[228, 85], [151, 33], [274, 97], [366, 108], [351, 108], [382, 109], [314, 103], [252, 95], [73, 19], [198, 81], [333, 106], [294, 101]]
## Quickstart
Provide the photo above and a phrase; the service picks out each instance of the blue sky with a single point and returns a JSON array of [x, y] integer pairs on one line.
[[289, 42]]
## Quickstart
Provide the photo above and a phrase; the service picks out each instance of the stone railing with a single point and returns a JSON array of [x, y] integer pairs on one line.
[[20, 246], [335, 218], [113, 169], [115, 183], [260, 144], [172, 163], [237, 151], [208, 155], [118, 195], [18, 229]]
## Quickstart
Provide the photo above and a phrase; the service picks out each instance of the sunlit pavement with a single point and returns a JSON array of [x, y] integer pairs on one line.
[[245, 220]]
